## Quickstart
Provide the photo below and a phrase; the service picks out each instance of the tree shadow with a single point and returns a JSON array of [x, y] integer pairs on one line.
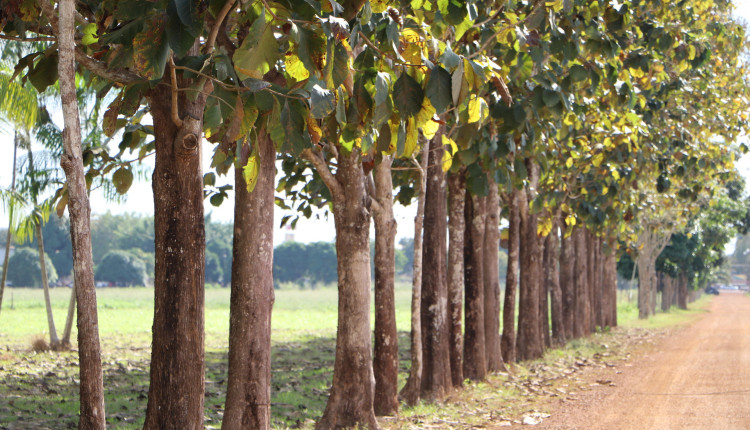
[[41, 389]]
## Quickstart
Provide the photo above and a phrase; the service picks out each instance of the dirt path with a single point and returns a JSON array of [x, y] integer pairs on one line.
[[698, 378]]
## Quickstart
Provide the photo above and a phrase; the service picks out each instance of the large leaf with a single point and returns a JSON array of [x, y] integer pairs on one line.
[[407, 95], [150, 49], [322, 102], [185, 10], [438, 89], [180, 37], [44, 72], [258, 51]]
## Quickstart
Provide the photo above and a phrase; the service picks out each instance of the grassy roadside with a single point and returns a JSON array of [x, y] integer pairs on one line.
[[41, 387]]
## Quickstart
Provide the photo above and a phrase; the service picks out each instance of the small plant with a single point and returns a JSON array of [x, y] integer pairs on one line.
[[39, 344]]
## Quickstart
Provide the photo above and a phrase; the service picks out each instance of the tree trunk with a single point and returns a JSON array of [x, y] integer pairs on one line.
[[491, 270], [568, 285], [682, 291], [456, 227], [175, 398], [646, 284], [436, 371], [544, 299], [610, 284], [508, 347], [666, 292], [8, 235], [593, 297], [351, 400], [475, 359], [582, 318], [412, 390], [530, 341], [92, 415], [552, 278], [65, 342], [385, 362], [248, 403], [54, 341]]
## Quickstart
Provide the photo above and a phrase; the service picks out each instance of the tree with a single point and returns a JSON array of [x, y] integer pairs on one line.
[[24, 268], [121, 268]]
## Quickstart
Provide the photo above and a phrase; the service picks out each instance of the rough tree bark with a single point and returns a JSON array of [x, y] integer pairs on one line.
[[91, 386], [567, 284], [666, 292], [436, 371], [248, 403], [351, 400], [54, 341], [552, 279], [610, 281], [508, 347], [385, 361], [591, 280], [456, 227], [491, 275], [10, 220], [582, 316], [412, 390], [529, 344], [544, 311], [175, 398], [475, 360]]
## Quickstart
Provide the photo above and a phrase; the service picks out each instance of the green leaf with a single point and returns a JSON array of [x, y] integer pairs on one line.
[[438, 89], [407, 95], [150, 49], [185, 10], [578, 73], [122, 179], [209, 179], [459, 86], [322, 102], [449, 58], [255, 85], [258, 51], [180, 37], [382, 85], [44, 72], [89, 34], [216, 199], [551, 98]]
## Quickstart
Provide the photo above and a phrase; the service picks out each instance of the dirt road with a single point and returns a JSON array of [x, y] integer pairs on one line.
[[698, 378]]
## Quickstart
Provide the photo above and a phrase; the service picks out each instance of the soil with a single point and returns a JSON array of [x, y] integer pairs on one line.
[[698, 377]]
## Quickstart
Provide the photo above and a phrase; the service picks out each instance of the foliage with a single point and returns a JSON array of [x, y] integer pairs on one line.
[[24, 268], [121, 268], [305, 264]]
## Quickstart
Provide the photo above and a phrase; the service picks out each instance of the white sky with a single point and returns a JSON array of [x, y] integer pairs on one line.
[[140, 196]]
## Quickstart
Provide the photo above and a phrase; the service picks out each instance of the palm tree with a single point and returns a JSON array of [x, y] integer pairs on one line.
[[18, 106]]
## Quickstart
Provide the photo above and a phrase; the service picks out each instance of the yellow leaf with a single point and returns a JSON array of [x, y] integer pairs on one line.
[[570, 220], [544, 227], [394, 136], [379, 6], [295, 67], [250, 172], [314, 130], [449, 152], [569, 162], [424, 119], [616, 174], [412, 134], [597, 160], [478, 110]]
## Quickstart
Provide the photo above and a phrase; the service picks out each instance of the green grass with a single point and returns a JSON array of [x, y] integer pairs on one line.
[[42, 392]]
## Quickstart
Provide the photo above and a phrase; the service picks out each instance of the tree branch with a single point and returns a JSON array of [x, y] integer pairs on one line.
[[322, 168]]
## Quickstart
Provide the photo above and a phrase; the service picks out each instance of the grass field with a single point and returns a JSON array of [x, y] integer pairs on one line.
[[42, 390]]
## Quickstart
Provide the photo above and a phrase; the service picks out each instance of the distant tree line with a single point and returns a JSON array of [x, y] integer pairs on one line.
[[123, 248]]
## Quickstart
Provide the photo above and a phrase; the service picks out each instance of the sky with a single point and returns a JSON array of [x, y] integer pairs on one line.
[[140, 197]]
